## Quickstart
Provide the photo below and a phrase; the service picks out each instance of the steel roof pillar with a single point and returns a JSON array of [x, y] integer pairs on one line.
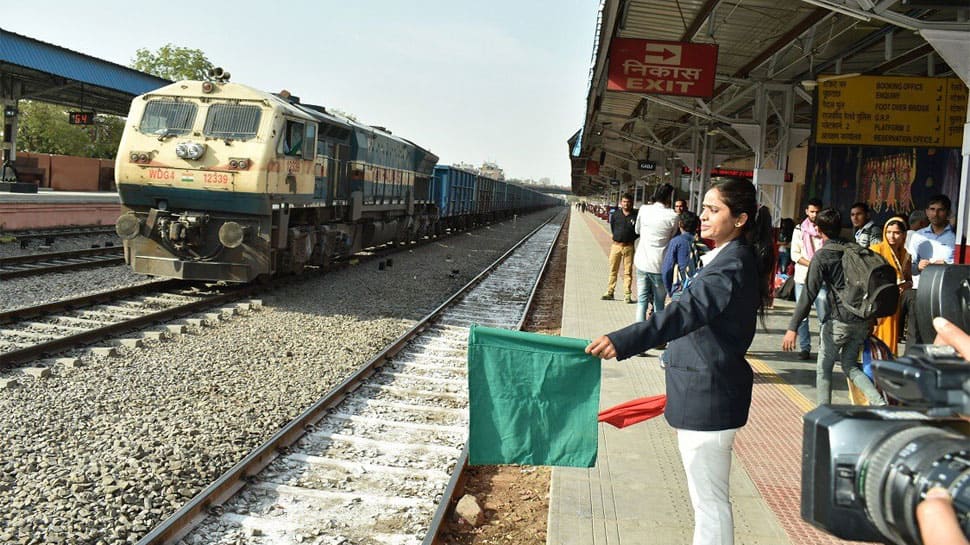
[[954, 48], [707, 159], [963, 195], [10, 93]]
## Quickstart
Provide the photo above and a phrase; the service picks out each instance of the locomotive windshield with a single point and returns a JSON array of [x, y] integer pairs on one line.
[[167, 117], [232, 121]]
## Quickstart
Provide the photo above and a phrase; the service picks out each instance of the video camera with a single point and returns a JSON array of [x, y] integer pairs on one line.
[[864, 469]]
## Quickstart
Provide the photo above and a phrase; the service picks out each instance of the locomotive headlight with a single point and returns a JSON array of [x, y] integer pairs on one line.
[[128, 226], [231, 234], [133, 157], [234, 164], [190, 150], [143, 157]]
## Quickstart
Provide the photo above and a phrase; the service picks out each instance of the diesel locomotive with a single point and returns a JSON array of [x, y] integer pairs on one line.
[[222, 182]]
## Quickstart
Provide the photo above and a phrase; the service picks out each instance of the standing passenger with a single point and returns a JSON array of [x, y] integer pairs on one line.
[[622, 224], [656, 225], [679, 206], [842, 332], [710, 328], [865, 231], [931, 245], [893, 249], [678, 256], [805, 241], [785, 231]]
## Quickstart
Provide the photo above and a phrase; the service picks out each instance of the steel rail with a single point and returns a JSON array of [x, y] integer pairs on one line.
[[456, 484], [60, 232], [16, 357], [34, 261], [24, 313], [29, 258], [222, 489]]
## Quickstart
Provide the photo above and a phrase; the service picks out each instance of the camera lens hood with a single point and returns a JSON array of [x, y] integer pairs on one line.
[[944, 290]]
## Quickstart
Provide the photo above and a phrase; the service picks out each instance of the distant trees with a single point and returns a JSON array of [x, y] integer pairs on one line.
[[44, 128], [173, 62]]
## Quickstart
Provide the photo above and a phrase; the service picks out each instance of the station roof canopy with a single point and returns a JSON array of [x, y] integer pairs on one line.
[[787, 46], [35, 70]]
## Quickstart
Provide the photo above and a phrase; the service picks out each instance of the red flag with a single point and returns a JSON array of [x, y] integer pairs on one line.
[[633, 411]]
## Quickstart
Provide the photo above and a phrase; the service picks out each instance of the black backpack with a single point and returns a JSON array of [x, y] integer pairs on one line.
[[870, 282]]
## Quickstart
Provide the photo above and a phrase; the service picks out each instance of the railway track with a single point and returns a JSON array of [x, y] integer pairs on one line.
[[31, 333], [59, 232], [29, 265], [378, 458]]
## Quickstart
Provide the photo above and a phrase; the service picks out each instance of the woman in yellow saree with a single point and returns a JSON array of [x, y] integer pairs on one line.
[[893, 248]]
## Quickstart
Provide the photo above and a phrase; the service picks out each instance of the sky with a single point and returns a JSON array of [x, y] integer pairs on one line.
[[498, 80]]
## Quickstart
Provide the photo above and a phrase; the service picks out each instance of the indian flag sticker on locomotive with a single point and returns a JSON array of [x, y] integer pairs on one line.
[[187, 177]]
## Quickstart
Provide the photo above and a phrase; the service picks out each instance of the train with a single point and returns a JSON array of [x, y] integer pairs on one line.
[[219, 181]]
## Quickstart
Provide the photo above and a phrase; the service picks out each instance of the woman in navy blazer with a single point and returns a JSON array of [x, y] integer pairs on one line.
[[709, 331]]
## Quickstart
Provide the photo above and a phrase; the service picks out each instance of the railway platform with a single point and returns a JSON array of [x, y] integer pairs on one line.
[[637, 492], [48, 209]]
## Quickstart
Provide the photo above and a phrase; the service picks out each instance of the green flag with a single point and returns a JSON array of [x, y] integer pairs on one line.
[[533, 399]]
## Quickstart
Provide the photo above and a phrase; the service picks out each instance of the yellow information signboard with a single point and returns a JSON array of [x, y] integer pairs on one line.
[[891, 111]]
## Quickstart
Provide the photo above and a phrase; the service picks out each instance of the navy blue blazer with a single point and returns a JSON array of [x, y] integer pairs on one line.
[[709, 331]]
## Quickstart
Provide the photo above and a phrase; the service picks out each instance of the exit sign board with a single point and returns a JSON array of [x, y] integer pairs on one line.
[[662, 68]]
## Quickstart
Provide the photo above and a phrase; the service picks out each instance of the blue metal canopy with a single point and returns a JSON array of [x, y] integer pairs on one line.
[[54, 74]]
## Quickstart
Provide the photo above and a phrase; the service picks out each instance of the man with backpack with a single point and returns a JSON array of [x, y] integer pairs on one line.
[[861, 286], [682, 259]]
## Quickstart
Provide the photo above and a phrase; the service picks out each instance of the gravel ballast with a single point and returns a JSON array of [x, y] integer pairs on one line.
[[102, 453], [27, 291]]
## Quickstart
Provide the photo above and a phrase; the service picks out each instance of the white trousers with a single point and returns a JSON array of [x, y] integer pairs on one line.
[[707, 462]]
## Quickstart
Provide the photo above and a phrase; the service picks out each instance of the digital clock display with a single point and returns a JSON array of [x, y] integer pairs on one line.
[[80, 118]]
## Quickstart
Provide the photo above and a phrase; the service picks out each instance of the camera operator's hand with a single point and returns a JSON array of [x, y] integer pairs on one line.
[[950, 335], [937, 520]]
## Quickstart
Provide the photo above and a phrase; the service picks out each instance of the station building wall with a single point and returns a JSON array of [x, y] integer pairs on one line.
[[65, 172]]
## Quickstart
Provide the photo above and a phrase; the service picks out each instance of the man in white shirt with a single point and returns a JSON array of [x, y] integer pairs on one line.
[[805, 241], [931, 245], [656, 225], [938, 239]]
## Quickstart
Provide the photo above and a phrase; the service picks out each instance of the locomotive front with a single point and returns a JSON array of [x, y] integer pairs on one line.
[[200, 179]]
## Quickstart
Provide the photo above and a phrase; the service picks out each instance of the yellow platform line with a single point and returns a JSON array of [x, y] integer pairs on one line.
[[788, 390]]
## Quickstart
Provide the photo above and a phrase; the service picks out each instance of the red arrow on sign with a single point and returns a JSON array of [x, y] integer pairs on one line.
[[668, 54]]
